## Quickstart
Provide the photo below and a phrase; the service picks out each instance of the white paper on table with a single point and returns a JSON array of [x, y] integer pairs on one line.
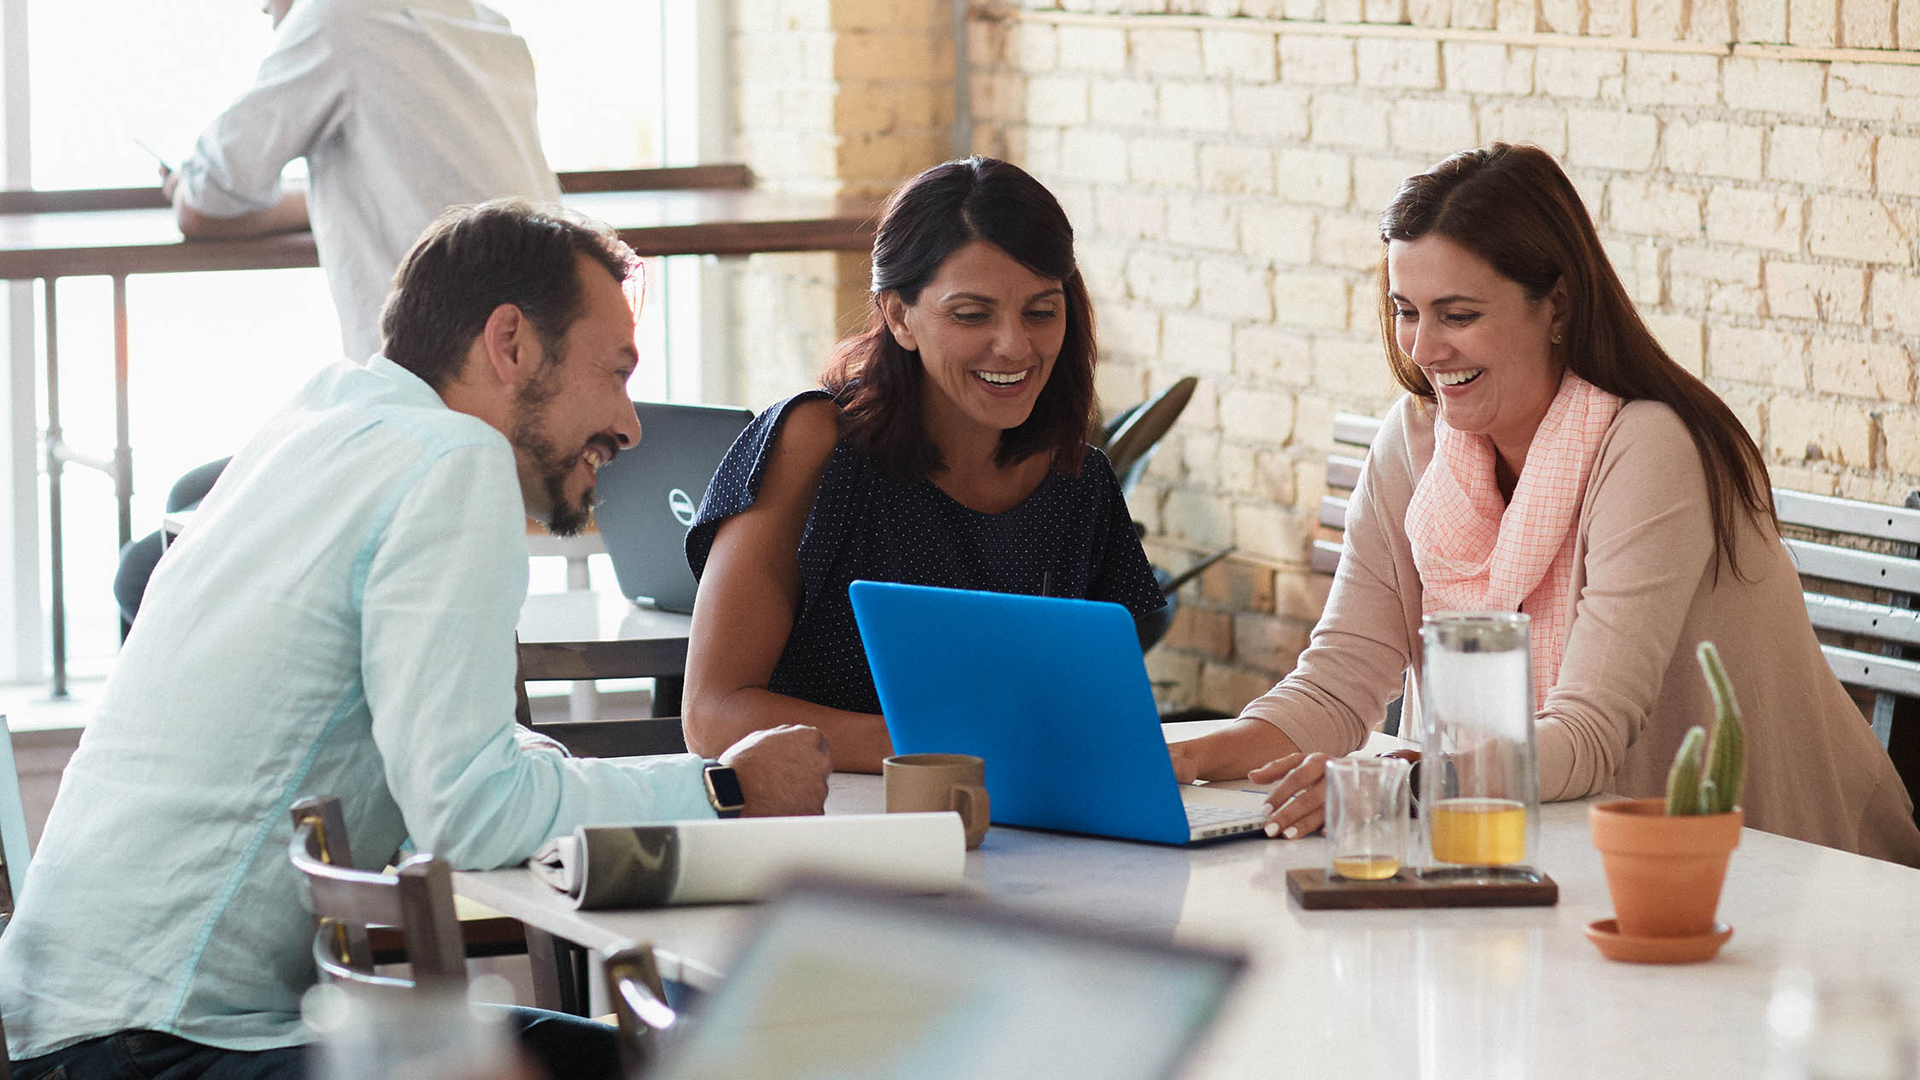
[[699, 862]]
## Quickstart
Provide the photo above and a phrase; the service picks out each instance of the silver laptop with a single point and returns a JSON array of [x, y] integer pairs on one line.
[[847, 984], [649, 494]]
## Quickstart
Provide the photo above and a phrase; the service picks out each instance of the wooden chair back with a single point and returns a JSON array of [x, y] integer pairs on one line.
[[417, 898], [640, 1009], [1859, 566]]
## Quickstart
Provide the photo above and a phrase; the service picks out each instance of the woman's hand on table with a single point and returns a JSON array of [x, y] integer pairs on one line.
[[1297, 805]]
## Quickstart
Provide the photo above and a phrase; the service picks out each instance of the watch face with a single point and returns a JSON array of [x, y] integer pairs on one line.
[[723, 788]]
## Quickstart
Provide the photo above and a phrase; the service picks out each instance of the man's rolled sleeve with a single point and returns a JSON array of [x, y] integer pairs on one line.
[[297, 100], [443, 586]]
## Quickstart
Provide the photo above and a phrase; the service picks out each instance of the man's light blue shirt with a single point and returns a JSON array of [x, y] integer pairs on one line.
[[337, 620]]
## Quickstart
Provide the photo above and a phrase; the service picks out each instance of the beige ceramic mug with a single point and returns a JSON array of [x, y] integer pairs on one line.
[[923, 782]]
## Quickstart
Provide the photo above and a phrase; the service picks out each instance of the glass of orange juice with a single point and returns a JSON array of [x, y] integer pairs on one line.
[[1366, 817], [1479, 785]]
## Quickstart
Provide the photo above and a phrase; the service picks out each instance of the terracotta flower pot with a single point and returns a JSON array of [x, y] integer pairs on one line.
[[1664, 873]]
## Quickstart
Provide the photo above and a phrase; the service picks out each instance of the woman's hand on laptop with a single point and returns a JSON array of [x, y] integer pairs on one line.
[[1230, 752], [1297, 805], [782, 770]]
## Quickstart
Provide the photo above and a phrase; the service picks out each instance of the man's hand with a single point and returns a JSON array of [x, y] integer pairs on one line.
[[783, 771]]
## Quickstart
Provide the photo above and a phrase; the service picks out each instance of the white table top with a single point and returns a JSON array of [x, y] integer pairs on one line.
[[1439, 994]]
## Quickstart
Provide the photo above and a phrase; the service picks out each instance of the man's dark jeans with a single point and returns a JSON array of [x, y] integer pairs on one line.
[[567, 1047]]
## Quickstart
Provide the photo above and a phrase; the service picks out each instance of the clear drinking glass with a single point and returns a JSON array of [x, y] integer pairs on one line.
[[1366, 817], [1479, 785]]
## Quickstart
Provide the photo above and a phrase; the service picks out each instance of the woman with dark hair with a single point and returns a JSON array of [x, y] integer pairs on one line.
[[1550, 457], [948, 447]]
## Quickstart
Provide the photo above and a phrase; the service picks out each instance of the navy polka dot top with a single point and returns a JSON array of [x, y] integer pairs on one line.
[[865, 524]]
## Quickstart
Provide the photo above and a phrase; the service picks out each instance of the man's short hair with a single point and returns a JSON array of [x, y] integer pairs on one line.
[[471, 260]]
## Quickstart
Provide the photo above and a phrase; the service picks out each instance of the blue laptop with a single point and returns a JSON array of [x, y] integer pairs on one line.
[[1053, 694]]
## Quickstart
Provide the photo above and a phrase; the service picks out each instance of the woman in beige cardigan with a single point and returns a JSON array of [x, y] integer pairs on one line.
[[1551, 457]]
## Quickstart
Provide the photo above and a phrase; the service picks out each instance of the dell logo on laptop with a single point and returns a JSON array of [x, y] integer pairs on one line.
[[682, 506]]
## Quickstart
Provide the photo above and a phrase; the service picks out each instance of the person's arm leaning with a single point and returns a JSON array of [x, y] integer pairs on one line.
[[1649, 535], [287, 215], [1357, 656], [229, 186], [744, 611], [443, 581]]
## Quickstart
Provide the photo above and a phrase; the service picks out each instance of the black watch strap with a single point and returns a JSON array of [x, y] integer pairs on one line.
[[723, 789]]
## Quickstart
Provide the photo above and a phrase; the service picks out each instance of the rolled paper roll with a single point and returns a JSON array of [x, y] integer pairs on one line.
[[703, 862]]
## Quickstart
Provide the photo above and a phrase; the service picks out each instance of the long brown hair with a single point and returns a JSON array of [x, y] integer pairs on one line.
[[1514, 208], [878, 384]]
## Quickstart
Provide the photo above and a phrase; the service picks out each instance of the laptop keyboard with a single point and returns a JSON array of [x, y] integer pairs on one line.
[[1199, 814]]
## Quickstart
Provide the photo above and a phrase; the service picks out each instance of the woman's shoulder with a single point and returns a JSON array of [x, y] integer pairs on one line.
[[1095, 468], [807, 424], [1646, 426], [1404, 444]]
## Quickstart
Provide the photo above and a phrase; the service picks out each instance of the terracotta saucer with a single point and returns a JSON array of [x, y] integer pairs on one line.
[[1614, 945]]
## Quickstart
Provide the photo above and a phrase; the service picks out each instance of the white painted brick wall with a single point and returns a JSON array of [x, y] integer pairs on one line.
[[1865, 369], [1609, 139], [1864, 230], [1821, 157], [1770, 220], [1784, 87], [1812, 291], [1714, 148], [1769, 357], [1315, 60], [1226, 174]]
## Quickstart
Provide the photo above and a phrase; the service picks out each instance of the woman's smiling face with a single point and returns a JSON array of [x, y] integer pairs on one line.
[[988, 331], [1485, 346]]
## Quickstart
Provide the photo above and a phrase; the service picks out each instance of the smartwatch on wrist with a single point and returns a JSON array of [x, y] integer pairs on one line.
[[723, 789]]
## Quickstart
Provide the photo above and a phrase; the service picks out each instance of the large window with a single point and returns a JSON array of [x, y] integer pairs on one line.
[[213, 354]]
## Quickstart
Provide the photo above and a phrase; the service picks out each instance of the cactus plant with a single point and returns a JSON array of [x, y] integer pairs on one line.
[[1683, 780], [1711, 786]]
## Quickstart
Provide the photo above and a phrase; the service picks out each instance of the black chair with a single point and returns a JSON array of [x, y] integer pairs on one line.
[[139, 557]]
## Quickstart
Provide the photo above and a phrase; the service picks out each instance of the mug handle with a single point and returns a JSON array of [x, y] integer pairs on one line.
[[975, 810]]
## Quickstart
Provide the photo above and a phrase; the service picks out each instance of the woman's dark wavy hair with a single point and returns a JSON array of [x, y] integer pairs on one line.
[[1514, 208], [878, 384]]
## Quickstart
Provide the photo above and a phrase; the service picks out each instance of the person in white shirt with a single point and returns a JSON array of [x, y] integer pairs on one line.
[[339, 620], [401, 109]]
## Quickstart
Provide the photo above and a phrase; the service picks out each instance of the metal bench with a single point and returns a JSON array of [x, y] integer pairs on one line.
[[1352, 435], [1860, 573]]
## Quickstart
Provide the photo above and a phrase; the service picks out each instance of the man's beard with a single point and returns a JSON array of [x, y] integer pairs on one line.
[[550, 467]]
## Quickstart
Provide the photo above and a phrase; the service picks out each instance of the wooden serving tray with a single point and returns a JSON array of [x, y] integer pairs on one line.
[[1315, 891]]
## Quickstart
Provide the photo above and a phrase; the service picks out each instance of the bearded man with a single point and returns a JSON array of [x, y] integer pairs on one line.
[[338, 620]]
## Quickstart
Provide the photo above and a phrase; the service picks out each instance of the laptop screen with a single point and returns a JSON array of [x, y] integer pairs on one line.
[[858, 985], [648, 495]]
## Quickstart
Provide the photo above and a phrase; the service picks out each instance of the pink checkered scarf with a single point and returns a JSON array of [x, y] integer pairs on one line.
[[1477, 552]]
